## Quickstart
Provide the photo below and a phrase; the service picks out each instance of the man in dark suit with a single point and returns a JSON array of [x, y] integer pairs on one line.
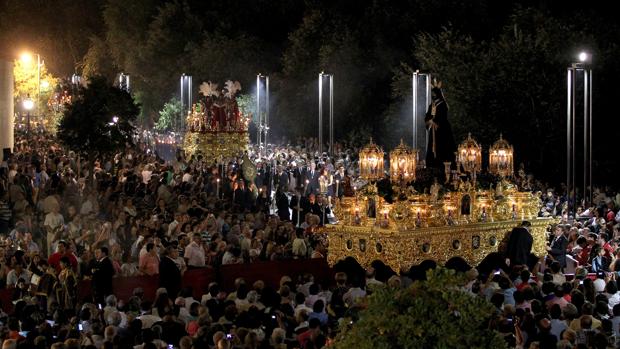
[[103, 272], [169, 273], [281, 179], [340, 178], [557, 248], [312, 179]]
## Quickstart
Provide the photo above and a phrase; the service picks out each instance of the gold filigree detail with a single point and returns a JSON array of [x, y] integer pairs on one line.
[[402, 249]]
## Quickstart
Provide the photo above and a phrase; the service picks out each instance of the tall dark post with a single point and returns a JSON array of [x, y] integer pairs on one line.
[[579, 73]]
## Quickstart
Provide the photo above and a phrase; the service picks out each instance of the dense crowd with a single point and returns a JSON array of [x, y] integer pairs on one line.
[[64, 219], [567, 298]]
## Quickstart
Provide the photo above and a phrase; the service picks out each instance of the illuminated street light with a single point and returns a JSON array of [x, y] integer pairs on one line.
[[45, 85], [28, 104], [114, 121], [579, 74], [26, 57], [263, 118], [330, 81]]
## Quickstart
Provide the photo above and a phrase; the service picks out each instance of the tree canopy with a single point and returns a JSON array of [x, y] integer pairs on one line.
[[435, 313], [170, 117], [100, 120]]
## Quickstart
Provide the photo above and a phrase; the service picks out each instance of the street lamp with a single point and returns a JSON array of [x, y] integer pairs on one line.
[[579, 71], [186, 83], [421, 92], [330, 78], [263, 122], [28, 104]]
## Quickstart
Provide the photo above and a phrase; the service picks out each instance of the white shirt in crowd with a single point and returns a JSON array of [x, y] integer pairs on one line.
[[54, 220], [195, 255]]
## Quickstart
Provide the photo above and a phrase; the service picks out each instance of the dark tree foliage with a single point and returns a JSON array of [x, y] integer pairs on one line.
[[88, 124], [435, 313]]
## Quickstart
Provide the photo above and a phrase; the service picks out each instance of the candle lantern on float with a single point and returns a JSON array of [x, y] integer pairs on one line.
[[371, 162], [501, 158], [402, 163], [469, 156]]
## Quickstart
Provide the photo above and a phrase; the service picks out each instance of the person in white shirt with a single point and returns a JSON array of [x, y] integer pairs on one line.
[[53, 222], [613, 296], [300, 249], [187, 177], [370, 278], [17, 273], [195, 253], [354, 293]]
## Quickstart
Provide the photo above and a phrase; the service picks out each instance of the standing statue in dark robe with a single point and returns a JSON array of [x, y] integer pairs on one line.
[[441, 146]]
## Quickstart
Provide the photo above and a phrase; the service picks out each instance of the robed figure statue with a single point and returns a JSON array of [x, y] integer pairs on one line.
[[441, 146]]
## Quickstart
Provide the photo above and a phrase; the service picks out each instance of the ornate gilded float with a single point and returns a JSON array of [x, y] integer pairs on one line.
[[461, 219], [216, 128]]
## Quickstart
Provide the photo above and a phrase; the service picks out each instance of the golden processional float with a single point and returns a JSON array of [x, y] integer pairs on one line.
[[216, 129], [455, 218]]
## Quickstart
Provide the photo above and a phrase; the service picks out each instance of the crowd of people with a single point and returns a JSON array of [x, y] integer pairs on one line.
[[567, 298], [64, 219]]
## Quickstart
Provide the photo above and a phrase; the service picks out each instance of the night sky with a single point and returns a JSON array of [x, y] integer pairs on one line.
[[370, 46]]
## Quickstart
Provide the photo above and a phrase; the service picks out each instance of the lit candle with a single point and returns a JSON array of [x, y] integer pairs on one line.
[[298, 210], [306, 186], [218, 187]]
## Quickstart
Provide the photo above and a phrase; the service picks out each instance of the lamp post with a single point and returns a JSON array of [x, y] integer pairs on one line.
[[28, 104], [263, 121], [420, 79], [330, 77], [186, 100], [579, 70]]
